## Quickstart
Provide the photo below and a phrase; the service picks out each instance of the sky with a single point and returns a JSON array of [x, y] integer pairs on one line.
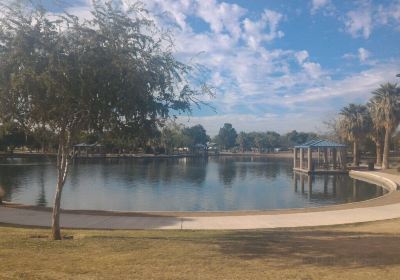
[[281, 65]]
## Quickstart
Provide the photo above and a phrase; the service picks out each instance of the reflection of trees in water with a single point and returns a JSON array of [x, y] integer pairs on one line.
[[230, 167], [41, 200], [167, 170], [341, 188], [157, 170], [10, 179], [227, 171], [242, 170], [196, 170]]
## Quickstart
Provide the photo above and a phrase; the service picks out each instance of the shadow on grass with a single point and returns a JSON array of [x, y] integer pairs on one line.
[[325, 248]]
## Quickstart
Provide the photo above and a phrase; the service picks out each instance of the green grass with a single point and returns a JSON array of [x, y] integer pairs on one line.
[[363, 251]]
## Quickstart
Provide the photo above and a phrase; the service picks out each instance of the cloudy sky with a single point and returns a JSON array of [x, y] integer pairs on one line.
[[282, 65]]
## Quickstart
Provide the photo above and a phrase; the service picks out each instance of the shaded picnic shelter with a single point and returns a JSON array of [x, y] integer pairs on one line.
[[320, 156], [86, 150]]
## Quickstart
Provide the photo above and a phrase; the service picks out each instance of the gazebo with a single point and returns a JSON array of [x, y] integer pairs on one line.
[[84, 149], [323, 156]]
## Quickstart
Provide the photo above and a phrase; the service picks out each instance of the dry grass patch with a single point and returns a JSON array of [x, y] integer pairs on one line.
[[363, 251]]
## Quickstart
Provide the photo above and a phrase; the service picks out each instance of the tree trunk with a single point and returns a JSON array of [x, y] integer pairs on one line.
[[62, 170], [386, 148], [378, 152], [355, 153]]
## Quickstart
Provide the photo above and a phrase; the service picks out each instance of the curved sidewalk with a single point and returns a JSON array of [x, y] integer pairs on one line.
[[353, 214]]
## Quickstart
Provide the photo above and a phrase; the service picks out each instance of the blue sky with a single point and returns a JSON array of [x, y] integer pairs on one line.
[[282, 65]]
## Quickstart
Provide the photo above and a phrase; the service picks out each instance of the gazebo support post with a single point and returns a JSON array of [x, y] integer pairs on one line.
[[326, 162], [301, 158], [294, 157], [309, 157], [334, 157], [344, 158]]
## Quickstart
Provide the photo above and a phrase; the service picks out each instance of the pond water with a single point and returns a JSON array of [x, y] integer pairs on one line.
[[179, 184]]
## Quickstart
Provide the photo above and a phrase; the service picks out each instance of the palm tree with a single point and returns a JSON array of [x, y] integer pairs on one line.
[[386, 100], [354, 124], [377, 130]]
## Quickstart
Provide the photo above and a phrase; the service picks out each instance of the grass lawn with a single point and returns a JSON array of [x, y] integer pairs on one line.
[[362, 251]]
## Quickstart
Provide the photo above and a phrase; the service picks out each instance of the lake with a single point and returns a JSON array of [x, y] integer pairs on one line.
[[178, 184]]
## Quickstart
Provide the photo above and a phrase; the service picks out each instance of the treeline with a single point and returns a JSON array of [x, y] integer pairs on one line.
[[229, 139], [169, 139], [374, 122]]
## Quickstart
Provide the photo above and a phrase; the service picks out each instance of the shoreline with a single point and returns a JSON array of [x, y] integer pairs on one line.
[[155, 156]]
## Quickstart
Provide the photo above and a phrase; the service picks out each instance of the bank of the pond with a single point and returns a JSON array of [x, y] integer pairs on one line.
[[386, 207], [283, 154]]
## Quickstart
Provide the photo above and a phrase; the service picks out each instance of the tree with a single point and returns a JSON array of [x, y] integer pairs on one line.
[[272, 139], [297, 138], [377, 130], [226, 137], [260, 141], [11, 137], [354, 124], [386, 105], [171, 137], [68, 75], [244, 141], [196, 135]]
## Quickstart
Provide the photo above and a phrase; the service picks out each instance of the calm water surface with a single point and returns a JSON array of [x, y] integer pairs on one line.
[[186, 184]]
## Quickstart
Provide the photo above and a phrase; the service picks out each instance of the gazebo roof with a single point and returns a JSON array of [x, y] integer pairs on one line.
[[319, 143]]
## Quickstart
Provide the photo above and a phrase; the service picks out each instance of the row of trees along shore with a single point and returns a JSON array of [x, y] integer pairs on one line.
[[375, 121], [168, 139]]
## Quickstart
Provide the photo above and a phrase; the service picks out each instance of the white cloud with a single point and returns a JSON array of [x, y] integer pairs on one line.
[[319, 4], [301, 56], [255, 31], [388, 14], [176, 11], [221, 16], [313, 69], [355, 87], [363, 54], [359, 23]]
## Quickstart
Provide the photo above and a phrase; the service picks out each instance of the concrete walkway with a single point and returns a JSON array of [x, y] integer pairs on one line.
[[29, 217]]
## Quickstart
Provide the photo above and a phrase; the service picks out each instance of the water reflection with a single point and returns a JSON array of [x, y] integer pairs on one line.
[[227, 171], [334, 186], [41, 200], [216, 183]]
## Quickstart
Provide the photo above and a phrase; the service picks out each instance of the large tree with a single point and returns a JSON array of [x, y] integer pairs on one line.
[[386, 106], [226, 137], [195, 135], [354, 124], [244, 141], [71, 75]]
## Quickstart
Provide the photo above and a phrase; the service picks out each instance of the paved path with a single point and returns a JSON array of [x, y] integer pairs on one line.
[[345, 216]]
